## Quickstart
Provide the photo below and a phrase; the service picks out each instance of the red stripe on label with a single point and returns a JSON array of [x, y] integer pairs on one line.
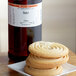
[[22, 6]]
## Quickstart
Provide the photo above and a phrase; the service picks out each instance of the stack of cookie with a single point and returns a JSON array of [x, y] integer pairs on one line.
[[46, 58]]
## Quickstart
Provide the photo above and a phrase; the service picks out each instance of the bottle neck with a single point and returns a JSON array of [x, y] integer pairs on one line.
[[25, 1]]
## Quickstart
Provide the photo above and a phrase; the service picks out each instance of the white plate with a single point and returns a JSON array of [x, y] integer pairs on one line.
[[19, 67]]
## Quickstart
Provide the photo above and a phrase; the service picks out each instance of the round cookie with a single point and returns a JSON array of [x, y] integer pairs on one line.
[[48, 49], [37, 62], [43, 72]]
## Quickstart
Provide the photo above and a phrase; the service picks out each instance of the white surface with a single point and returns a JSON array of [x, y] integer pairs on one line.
[[19, 67]]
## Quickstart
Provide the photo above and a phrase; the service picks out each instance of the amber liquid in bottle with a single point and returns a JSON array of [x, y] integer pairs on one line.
[[20, 37]]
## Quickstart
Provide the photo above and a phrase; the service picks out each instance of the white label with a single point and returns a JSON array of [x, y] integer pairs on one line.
[[25, 15]]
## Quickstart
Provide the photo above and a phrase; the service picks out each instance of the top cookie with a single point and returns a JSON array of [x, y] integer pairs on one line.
[[48, 49]]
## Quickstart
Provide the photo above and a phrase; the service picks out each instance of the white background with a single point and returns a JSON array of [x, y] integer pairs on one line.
[[59, 23]]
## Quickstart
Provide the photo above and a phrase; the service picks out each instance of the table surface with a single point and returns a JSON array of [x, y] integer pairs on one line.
[[5, 71]]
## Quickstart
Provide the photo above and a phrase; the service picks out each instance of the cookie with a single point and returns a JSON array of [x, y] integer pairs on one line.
[[43, 72], [48, 49], [46, 58], [38, 62]]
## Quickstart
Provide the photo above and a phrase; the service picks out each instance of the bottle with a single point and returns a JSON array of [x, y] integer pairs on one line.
[[24, 27]]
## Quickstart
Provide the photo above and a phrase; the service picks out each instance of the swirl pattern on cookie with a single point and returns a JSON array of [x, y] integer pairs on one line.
[[48, 49], [37, 62], [43, 72]]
